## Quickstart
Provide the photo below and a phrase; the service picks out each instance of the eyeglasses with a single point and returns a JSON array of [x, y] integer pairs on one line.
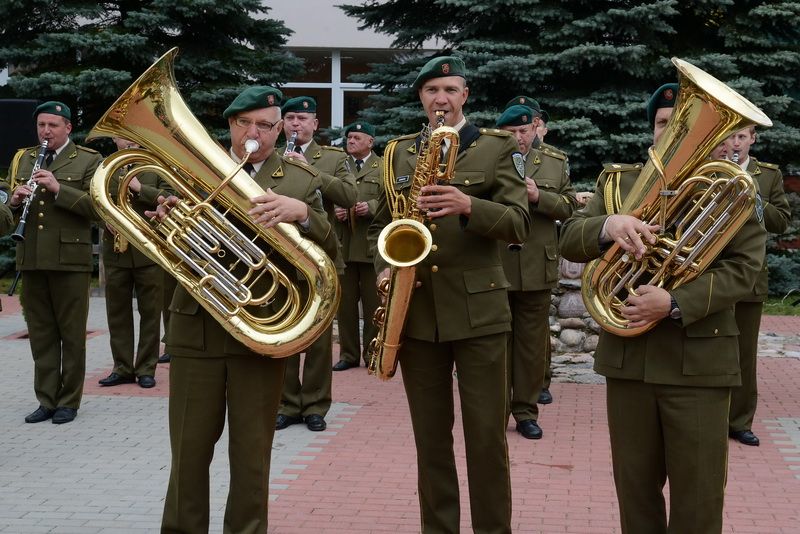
[[262, 127]]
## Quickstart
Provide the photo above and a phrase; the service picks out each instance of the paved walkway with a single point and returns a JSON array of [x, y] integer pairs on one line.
[[106, 472]]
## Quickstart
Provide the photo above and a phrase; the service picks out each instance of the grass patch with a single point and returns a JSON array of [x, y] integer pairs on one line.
[[783, 305]]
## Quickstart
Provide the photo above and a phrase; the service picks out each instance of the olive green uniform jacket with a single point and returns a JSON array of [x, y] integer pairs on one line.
[[56, 257], [312, 396], [532, 271], [358, 280], [211, 371], [675, 352], [460, 317], [131, 272], [744, 399]]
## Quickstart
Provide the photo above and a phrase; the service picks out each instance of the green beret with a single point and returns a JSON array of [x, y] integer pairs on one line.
[[531, 103], [360, 126], [664, 97], [439, 67], [54, 108], [300, 104], [516, 116], [257, 97]]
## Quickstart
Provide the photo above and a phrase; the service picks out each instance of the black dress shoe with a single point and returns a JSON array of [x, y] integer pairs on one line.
[[529, 429], [545, 397], [746, 437], [146, 381], [40, 414], [316, 423], [64, 415], [282, 421], [164, 358], [114, 380], [343, 365]]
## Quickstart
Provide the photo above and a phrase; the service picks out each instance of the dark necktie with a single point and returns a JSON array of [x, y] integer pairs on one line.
[[249, 169], [298, 149], [359, 163], [48, 158]]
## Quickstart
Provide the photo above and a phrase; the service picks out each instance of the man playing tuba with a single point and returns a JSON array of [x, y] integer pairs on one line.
[[210, 372], [668, 389]]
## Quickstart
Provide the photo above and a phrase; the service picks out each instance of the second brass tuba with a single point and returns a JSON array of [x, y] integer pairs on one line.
[[405, 242], [242, 274], [699, 204]]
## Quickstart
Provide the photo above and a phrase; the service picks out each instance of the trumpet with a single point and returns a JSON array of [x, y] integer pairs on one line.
[[19, 233]]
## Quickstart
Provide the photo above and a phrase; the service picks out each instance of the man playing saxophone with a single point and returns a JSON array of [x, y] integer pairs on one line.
[[210, 372], [667, 389], [459, 315]]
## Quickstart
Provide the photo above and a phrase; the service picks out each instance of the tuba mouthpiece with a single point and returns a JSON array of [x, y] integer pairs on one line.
[[251, 145]]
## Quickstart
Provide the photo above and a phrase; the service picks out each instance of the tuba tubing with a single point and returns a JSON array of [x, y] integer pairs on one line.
[[700, 204], [208, 242]]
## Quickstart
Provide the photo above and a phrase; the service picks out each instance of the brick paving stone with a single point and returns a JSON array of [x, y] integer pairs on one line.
[[107, 471]]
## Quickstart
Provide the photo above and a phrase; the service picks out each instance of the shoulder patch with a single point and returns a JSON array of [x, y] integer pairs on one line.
[[519, 164], [87, 149], [759, 208]]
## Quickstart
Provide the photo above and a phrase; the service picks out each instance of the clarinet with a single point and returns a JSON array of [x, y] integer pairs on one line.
[[290, 143], [18, 234]]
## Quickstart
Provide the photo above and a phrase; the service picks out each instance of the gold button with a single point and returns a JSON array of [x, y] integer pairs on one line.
[[68, 178], [41, 227], [41, 214], [716, 331], [434, 248], [491, 284], [41, 202], [435, 269], [466, 182], [43, 190], [433, 227]]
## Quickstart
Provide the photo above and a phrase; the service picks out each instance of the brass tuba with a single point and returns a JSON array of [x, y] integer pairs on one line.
[[405, 242], [241, 273], [699, 204]]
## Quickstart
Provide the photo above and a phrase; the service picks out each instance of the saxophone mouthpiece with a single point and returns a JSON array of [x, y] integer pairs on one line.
[[251, 145]]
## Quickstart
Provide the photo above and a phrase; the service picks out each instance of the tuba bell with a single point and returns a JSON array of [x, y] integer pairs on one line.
[[699, 204], [242, 274]]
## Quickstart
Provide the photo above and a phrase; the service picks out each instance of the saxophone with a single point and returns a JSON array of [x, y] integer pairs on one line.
[[406, 241]]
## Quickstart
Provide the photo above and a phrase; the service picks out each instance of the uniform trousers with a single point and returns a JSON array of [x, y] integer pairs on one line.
[[122, 283], [528, 348], [744, 399], [56, 307], [661, 432], [358, 283], [427, 370], [312, 396], [200, 391]]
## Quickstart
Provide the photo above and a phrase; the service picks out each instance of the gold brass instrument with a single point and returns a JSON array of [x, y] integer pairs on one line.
[[405, 242], [120, 243], [241, 273], [699, 204]]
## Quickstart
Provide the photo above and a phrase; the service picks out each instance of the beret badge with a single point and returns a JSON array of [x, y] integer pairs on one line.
[[445, 68], [668, 94]]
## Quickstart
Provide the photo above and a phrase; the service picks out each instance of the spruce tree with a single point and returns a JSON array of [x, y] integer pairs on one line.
[[87, 53], [593, 65]]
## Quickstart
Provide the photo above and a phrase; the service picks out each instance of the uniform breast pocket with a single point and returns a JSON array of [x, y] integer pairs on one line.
[[711, 348], [487, 299], [72, 180], [470, 180], [75, 247], [370, 189]]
